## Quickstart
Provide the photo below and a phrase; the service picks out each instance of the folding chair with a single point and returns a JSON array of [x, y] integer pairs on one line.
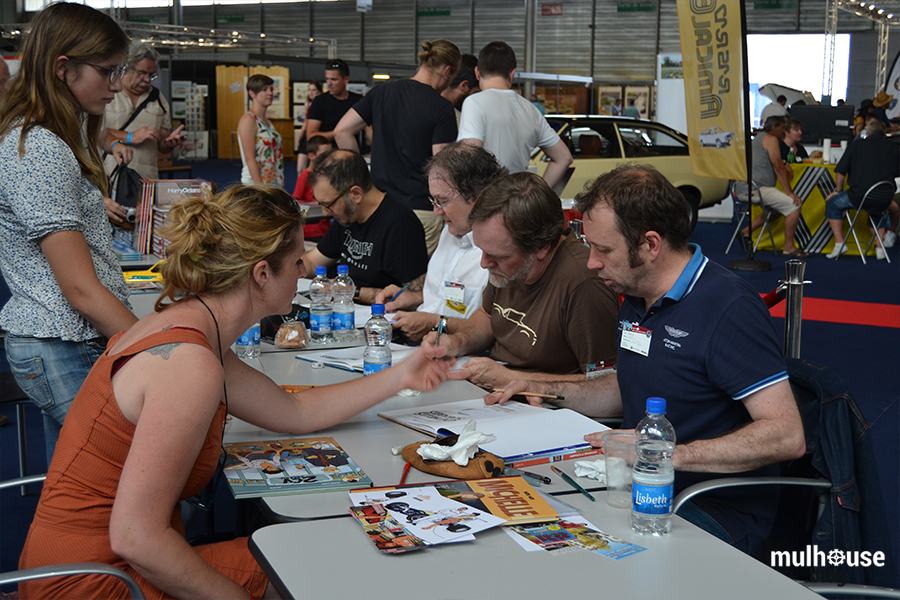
[[881, 193], [744, 208]]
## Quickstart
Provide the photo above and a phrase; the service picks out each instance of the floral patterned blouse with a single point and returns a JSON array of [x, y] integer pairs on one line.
[[269, 155]]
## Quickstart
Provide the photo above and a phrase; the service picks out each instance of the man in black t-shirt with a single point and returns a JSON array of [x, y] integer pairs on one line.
[[412, 122], [381, 240], [327, 109]]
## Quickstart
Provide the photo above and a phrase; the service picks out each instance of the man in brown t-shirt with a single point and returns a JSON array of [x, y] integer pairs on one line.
[[544, 314]]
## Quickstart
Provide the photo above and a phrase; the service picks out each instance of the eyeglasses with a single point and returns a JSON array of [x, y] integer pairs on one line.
[[441, 205], [142, 74], [114, 73], [329, 205]]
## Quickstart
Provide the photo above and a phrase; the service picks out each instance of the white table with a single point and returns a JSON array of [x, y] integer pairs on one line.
[[366, 437], [335, 559]]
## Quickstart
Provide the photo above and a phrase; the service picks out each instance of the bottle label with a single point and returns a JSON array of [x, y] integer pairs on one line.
[[254, 331], [343, 321], [320, 323], [652, 499], [369, 368], [246, 338]]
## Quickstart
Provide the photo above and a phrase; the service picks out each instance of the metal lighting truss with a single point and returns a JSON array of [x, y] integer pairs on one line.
[[197, 38], [881, 12]]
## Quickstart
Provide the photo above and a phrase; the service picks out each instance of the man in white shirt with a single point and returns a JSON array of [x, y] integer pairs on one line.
[[506, 124], [455, 279], [775, 109]]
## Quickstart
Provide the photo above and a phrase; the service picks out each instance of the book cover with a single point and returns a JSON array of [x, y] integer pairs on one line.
[[524, 432], [510, 498], [293, 466]]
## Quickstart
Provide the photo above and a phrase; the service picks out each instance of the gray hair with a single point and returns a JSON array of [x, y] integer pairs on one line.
[[138, 51], [875, 126]]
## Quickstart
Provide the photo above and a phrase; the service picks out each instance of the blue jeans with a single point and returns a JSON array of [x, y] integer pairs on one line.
[[834, 208], [50, 371], [699, 517]]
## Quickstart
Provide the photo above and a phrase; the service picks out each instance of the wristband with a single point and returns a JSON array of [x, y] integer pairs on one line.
[[113, 145], [128, 139]]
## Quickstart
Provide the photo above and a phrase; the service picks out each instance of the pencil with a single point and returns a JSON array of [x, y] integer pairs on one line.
[[397, 295], [572, 482], [405, 473], [535, 394]]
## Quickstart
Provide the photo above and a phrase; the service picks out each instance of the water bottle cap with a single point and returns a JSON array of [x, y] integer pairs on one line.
[[343, 269], [321, 271], [656, 406], [378, 309]]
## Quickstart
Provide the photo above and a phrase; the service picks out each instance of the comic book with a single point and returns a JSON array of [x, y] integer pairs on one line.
[[293, 466], [385, 532], [510, 498]]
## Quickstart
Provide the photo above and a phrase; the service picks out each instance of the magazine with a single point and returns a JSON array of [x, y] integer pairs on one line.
[[293, 466]]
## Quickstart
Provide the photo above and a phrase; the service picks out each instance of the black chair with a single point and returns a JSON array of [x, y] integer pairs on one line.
[[744, 208]]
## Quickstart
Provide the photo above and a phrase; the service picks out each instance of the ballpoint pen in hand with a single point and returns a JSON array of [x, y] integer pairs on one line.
[[437, 339], [572, 482], [397, 295]]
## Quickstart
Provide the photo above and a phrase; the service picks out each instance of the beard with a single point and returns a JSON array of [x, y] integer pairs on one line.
[[499, 280]]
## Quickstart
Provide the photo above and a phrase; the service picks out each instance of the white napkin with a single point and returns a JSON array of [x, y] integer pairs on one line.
[[593, 469], [460, 453]]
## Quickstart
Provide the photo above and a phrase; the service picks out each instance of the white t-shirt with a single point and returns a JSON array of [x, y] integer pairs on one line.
[[456, 261], [508, 125], [773, 109]]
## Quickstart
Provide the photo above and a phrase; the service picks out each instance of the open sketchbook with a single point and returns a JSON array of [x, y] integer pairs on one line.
[[524, 432]]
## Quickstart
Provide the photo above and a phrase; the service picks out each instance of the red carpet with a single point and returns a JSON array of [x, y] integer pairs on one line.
[[843, 311]]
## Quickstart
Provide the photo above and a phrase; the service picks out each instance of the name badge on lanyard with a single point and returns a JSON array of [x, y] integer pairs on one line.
[[636, 338], [455, 296]]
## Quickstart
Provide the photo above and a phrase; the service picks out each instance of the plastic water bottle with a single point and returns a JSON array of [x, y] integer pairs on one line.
[[343, 320], [320, 307], [247, 346], [654, 477], [377, 355]]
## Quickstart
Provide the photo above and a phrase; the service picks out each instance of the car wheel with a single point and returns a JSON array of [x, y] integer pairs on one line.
[[692, 197], [718, 143]]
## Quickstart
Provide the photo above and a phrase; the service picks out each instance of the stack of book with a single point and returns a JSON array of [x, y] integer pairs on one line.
[[157, 243]]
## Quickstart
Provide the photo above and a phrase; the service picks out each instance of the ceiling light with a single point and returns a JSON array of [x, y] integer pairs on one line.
[[381, 76]]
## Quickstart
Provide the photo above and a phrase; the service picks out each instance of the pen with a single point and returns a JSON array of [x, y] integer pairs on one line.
[[395, 296], [437, 339], [535, 394], [572, 482], [405, 473], [541, 478]]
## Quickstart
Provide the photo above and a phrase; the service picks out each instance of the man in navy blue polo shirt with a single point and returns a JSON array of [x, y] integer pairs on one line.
[[694, 333]]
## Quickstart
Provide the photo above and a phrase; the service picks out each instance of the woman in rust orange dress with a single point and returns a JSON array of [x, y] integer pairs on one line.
[[145, 430]]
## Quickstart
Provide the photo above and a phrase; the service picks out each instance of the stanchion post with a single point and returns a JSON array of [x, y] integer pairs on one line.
[[793, 314]]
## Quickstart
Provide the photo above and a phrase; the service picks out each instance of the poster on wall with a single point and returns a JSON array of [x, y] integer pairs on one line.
[[712, 54], [641, 96], [301, 92], [180, 89], [607, 95]]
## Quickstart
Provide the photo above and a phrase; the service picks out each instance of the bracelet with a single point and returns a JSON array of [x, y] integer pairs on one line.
[[129, 138], [113, 145]]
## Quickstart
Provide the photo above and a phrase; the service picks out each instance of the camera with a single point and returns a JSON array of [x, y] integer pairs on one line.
[[131, 215]]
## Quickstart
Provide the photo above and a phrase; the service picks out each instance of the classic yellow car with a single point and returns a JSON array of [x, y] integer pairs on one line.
[[600, 143], [150, 275]]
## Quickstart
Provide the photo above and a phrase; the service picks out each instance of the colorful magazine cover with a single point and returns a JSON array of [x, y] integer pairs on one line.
[[385, 532], [293, 466], [566, 536]]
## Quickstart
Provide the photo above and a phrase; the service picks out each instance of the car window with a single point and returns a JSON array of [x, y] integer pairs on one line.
[[593, 140], [642, 140]]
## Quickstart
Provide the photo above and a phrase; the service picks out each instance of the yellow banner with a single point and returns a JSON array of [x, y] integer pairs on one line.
[[713, 86]]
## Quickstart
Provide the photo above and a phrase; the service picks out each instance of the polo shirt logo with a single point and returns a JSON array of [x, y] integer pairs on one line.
[[676, 333]]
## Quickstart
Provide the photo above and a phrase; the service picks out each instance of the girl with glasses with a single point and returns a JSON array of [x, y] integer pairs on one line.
[[68, 292]]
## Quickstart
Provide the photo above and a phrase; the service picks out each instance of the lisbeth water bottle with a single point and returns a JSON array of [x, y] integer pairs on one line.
[[320, 307], [343, 320], [654, 476], [377, 355]]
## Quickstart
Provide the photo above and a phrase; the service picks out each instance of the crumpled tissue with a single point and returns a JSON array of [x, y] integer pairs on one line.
[[593, 469], [464, 449]]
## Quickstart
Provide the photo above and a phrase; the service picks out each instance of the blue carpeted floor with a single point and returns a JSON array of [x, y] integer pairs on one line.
[[865, 357]]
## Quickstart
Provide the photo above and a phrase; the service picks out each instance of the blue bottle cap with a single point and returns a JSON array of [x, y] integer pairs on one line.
[[343, 269], [321, 271], [656, 406], [378, 309]]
